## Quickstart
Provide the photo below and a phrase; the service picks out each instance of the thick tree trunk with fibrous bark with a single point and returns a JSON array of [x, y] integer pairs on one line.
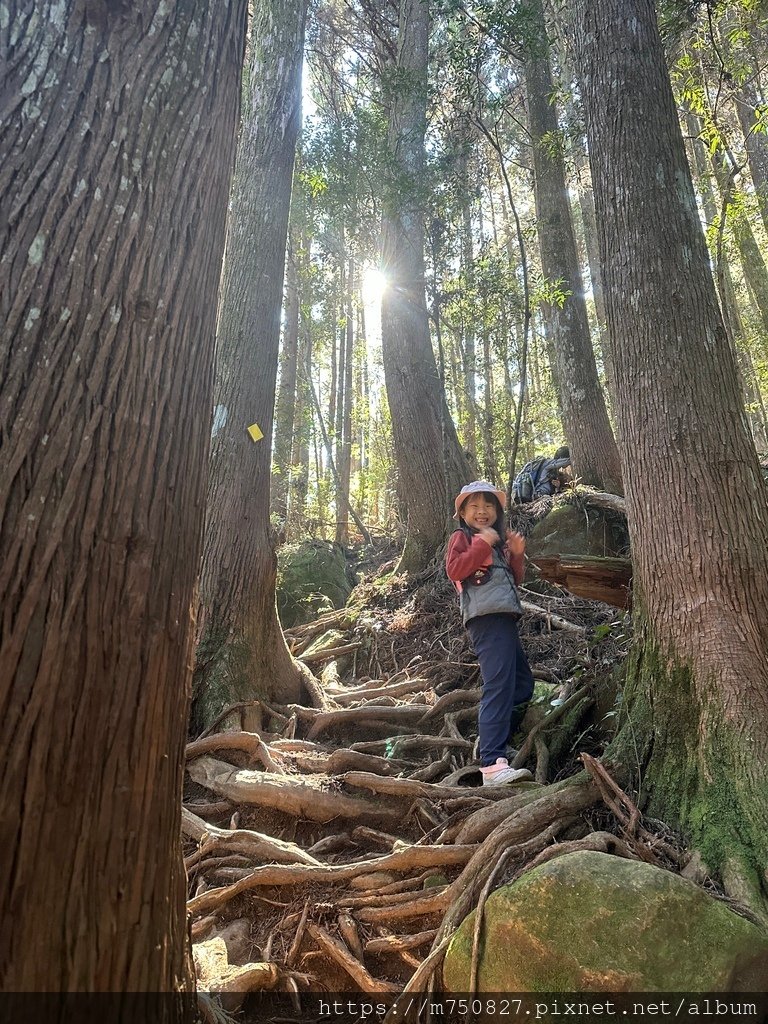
[[431, 465], [242, 652], [111, 252], [588, 430], [696, 706]]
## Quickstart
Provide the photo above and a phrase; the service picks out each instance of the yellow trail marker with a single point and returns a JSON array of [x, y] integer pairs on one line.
[[254, 431]]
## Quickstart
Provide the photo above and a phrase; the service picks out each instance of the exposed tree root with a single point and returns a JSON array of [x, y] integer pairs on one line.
[[339, 953], [271, 875], [425, 846], [306, 799], [248, 742], [644, 843], [251, 844]]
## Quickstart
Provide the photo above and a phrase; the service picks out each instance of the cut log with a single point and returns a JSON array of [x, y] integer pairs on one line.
[[590, 577]]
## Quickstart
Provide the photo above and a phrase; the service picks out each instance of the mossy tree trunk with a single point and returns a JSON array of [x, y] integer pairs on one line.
[[696, 719], [111, 254], [430, 463], [242, 652]]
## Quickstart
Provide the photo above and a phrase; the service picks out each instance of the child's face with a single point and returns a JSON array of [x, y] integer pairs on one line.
[[479, 511]]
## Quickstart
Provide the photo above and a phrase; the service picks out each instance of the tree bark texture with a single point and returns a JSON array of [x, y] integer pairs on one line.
[[698, 706], [118, 133], [587, 428], [242, 651], [431, 465]]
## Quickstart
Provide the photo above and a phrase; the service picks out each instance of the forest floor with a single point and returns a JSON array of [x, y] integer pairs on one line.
[[337, 846]]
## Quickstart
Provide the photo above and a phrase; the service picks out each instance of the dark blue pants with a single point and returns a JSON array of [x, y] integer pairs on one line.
[[507, 682]]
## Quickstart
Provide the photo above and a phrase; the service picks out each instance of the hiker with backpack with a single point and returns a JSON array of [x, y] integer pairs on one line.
[[486, 571], [541, 476]]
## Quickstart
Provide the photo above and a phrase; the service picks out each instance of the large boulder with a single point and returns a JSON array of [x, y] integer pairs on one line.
[[594, 922], [312, 578], [572, 530]]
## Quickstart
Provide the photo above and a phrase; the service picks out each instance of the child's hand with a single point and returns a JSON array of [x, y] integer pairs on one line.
[[515, 543], [489, 536]]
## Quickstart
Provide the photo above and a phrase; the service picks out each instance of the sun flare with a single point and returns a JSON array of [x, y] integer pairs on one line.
[[374, 285]]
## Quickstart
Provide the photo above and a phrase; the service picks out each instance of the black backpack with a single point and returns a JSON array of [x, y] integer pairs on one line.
[[525, 483]]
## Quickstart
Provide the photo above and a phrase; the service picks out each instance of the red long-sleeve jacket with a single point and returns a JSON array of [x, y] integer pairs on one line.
[[464, 557]]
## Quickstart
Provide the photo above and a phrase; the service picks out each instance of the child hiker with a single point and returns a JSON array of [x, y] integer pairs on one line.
[[485, 570]]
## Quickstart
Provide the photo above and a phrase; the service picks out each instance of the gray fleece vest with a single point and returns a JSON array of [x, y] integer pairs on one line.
[[497, 593]]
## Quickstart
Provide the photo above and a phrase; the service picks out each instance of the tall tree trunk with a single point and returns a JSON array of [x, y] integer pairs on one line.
[[302, 430], [242, 652], [469, 422], [344, 438], [111, 254], [696, 705], [726, 291], [585, 419], [746, 102], [286, 395], [431, 465], [752, 261]]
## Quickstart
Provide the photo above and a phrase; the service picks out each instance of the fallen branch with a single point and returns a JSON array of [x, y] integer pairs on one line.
[[314, 657], [552, 620]]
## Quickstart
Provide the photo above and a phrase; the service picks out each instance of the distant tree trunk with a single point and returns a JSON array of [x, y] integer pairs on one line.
[[242, 652], [746, 102], [752, 261], [585, 419], [696, 703], [489, 453], [726, 291], [111, 255], [431, 465], [302, 431], [344, 437], [469, 421], [286, 395]]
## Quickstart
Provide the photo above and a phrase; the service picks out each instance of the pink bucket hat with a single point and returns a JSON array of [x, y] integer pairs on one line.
[[477, 487]]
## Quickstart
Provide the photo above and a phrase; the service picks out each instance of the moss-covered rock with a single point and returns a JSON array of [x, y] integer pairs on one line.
[[312, 578], [569, 530], [593, 922]]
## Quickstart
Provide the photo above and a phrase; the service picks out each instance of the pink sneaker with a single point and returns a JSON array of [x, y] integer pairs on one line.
[[500, 774]]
